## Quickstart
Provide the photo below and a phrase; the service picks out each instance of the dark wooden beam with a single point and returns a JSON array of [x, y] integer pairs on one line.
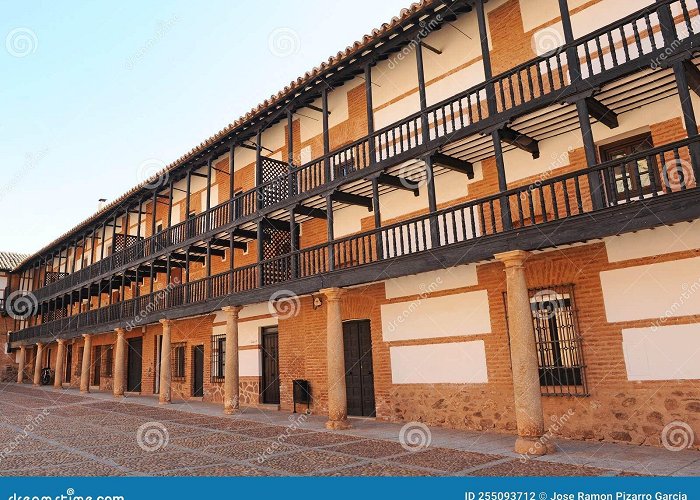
[[452, 163], [602, 113], [245, 233], [310, 212], [197, 174], [397, 182], [226, 243], [352, 199], [280, 225], [520, 141], [183, 257], [692, 74]]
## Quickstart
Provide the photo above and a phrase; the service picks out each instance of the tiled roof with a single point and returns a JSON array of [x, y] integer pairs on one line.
[[336, 60], [10, 260]]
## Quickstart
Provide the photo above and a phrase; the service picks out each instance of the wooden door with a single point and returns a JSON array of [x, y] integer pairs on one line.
[[270, 366], [359, 373], [134, 365], [198, 371], [98, 366]]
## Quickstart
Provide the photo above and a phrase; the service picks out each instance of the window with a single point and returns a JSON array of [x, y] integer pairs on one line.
[[79, 368], [559, 349], [178, 361], [218, 357], [634, 178], [48, 358]]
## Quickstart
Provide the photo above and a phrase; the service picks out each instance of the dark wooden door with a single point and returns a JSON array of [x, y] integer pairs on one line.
[[359, 374], [270, 366], [69, 364], [198, 371], [98, 366], [134, 365]]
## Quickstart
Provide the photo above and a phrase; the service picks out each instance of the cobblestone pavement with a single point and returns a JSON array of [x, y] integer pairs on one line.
[[62, 433]]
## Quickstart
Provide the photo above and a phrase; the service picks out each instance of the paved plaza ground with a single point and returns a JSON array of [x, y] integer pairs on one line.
[[46, 432]]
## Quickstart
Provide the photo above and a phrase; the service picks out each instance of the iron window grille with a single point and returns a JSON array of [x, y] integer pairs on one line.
[[218, 357], [178, 361], [558, 342]]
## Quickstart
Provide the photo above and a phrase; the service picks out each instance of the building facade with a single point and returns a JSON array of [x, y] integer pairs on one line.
[[482, 216]]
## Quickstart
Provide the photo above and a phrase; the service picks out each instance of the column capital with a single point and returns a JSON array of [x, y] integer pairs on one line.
[[40, 344], [166, 322], [87, 335], [234, 310], [120, 332], [23, 348], [513, 258], [61, 341], [333, 294]]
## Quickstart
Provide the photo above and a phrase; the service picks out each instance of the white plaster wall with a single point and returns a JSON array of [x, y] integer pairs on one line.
[[242, 157], [451, 363], [664, 289], [447, 316], [663, 353], [248, 331], [348, 220], [444, 279], [250, 363], [311, 122], [658, 241]]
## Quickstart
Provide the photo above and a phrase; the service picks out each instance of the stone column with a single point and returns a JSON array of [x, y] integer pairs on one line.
[[165, 354], [37, 363], [523, 354], [119, 382], [21, 360], [60, 362], [335, 352], [85, 367], [231, 381]]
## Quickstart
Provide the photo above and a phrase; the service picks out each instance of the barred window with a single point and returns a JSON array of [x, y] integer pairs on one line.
[[218, 356], [178, 361], [558, 343], [559, 348]]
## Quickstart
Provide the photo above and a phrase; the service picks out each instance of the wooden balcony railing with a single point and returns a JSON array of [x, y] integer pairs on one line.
[[620, 47], [635, 179]]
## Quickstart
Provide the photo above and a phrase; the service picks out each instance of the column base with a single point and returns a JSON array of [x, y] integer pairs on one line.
[[118, 395], [85, 391], [229, 411], [338, 425], [531, 446]]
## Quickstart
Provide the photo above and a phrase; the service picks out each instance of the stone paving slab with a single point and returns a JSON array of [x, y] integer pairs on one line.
[[95, 434]]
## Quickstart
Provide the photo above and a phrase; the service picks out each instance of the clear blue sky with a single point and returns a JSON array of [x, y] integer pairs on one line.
[[92, 90]]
